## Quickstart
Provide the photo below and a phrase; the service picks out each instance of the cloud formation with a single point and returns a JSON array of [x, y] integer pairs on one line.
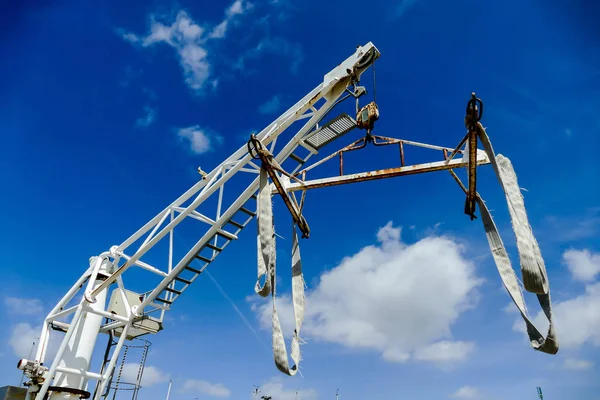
[[148, 118], [397, 299], [196, 44], [186, 37], [271, 106], [150, 377], [199, 386], [198, 139], [23, 306], [577, 319], [583, 264], [189, 39], [239, 7], [444, 351], [467, 392], [24, 335], [575, 364]]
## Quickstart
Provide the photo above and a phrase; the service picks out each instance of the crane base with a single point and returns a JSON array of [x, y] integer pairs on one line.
[[12, 393]]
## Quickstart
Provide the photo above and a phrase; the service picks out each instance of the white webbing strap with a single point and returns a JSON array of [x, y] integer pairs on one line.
[[533, 269], [267, 268], [532, 264], [266, 237]]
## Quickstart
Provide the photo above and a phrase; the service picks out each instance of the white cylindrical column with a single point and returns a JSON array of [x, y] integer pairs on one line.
[[80, 347]]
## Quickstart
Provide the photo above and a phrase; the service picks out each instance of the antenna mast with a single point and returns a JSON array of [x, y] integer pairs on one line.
[[169, 390]]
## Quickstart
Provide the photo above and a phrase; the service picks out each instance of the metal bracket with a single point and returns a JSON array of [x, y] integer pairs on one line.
[[473, 116], [258, 151]]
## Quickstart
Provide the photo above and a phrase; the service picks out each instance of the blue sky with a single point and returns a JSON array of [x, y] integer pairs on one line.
[[108, 109]]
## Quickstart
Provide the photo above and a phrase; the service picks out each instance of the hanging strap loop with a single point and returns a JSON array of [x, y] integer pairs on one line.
[[267, 269], [533, 270]]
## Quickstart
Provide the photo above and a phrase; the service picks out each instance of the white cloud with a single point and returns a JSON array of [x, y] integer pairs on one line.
[[572, 363], [203, 387], [577, 320], [237, 8], [186, 37], [583, 264], [270, 106], [444, 351], [23, 336], [129, 37], [277, 390], [393, 298], [510, 308], [192, 41], [147, 119], [467, 392], [150, 377], [23, 306], [199, 140], [189, 39]]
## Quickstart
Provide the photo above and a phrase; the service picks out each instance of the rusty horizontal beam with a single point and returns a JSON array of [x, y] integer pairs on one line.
[[384, 173]]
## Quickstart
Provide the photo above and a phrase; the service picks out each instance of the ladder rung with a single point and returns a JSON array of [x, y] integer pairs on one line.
[[213, 247], [177, 292], [201, 258], [194, 270], [297, 159], [236, 224], [177, 278], [226, 235], [163, 300], [245, 210]]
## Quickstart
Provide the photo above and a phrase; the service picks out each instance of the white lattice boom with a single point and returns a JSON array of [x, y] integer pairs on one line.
[[70, 371]]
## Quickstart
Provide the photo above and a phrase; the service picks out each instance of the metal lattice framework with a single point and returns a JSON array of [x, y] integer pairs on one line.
[[130, 315]]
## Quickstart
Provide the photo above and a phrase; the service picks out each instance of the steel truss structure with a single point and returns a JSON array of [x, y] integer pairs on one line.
[[130, 314]]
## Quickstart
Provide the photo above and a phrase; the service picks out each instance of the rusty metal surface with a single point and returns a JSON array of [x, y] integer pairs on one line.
[[457, 148], [383, 173], [472, 174], [474, 112], [401, 154], [269, 165]]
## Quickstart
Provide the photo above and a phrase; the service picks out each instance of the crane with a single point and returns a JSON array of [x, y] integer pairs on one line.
[[100, 303]]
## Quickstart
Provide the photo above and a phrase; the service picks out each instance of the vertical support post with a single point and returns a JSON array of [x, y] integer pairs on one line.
[[80, 344], [401, 154], [472, 174]]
